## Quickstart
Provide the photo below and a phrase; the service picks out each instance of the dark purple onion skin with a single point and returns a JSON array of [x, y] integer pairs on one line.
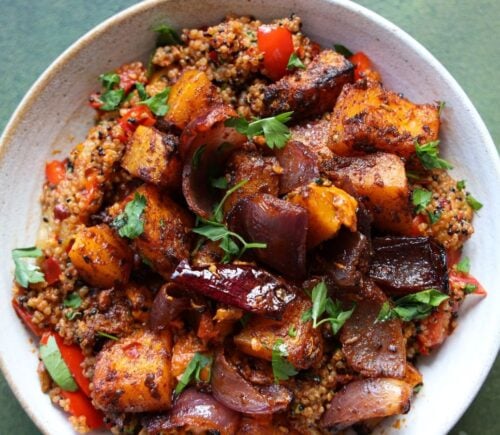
[[166, 308], [251, 289], [280, 224]]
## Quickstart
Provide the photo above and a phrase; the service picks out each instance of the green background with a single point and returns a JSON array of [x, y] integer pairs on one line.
[[463, 34]]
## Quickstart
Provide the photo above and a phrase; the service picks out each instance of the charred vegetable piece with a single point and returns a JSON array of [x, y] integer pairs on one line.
[[167, 306], [191, 95], [367, 118], [101, 257], [242, 286], [328, 208], [194, 411], [404, 265], [304, 345], [133, 374], [300, 166], [312, 91], [234, 391], [282, 226], [373, 348], [380, 179], [152, 156], [366, 399], [314, 136]]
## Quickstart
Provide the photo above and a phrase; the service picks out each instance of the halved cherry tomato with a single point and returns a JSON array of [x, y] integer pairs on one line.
[[55, 171], [277, 45], [362, 64], [51, 270], [81, 406], [26, 318], [137, 115], [465, 278], [94, 101]]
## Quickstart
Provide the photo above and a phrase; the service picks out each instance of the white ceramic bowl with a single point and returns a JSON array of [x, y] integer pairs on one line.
[[54, 115]]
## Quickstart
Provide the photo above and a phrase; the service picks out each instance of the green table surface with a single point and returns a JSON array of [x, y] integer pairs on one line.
[[463, 34]]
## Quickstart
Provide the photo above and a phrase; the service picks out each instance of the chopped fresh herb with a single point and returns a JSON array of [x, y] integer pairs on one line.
[[292, 331], [244, 320], [109, 80], [473, 202], [111, 99], [412, 307], [166, 35], [193, 371], [72, 314], [158, 103], [141, 91], [219, 183], [417, 388], [343, 50], [428, 155], [197, 156], [106, 335], [55, 365], [130, 223], [336, 316], [273, 128], [442, 105], [461, 185], [73, 300], [413, 175], [421, 199], [463, 265], [319, 296], [470, 288], [27, 273], [434, 216], [295, 62], [282, 368], [218, 216]]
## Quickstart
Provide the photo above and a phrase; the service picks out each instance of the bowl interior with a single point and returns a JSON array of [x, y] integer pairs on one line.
[[44, 124]]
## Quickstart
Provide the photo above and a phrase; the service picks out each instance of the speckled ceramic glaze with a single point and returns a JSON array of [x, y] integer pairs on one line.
[[54, 115]]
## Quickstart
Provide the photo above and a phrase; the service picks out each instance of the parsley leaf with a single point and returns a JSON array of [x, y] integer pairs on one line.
[[292, 331], [141, 91], [461, 185], [413, 306], [219, 183], [158, 103], [421, 199], [193, 371], [166, 35], [273, 128], [473, 202], [294, 62], [109, 80], [343, 50], [25, 272], [463, 265], [282, 368], [337, 317], [470, 288], [73, 300], [434, 216], [106, 335], [428, 155], [218, 216], [111, 99], [55, 365], [130, 223]]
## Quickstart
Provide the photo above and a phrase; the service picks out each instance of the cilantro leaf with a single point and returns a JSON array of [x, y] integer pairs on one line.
[[130, 223], [421, 199], [319, 295], [343, 50], [428, 155], [141, 91], [282, 368], [473, 202], [414, 306], [109, 80], [55, 365], [463, 265], [193, 371], [26, 273], [461, 185], [434, 216], [292, 331], [158, 103], [273, 128], [294, 62], [219, 183], [73, 300], [336, 316], [106, 335], [166, 35], [111, 99], [218, 209], [470, 288]]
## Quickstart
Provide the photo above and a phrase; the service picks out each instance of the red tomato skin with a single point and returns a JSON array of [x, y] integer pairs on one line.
[[361, 62], [277, 45], [80, 405], [55, 171], [137, 115], [51, 270]]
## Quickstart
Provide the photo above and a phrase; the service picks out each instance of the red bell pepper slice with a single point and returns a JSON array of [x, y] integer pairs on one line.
[[51, 270], [55, 171], [137, 115], [362, 64], [81, 406], [277, 45], [26, 318]]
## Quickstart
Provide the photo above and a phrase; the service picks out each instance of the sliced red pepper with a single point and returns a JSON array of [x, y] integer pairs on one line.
[[465, 278], [277, 45], [137, 115], [26, 318], [55, 171], [81, 406], [51, 270], [362, 64]]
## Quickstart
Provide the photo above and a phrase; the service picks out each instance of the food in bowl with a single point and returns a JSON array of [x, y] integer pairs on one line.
[[256, 236]]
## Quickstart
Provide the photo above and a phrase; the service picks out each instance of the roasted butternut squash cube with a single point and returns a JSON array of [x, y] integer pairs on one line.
[[328, 208], [152, 156], [190, 96], [101, 257], [133, 374], [380, 179], [183, 352], [367, 118], [304, 344]]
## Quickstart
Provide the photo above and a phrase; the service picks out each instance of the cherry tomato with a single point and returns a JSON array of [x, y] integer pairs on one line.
[[55, 171], [277, 45], [362, 64], [137, 115], [51, 270]]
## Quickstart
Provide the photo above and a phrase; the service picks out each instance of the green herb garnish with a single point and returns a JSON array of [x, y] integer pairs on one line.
[[158, 103], [219, 183], [141, 91], [73, 300], [166, 35], [55, 365], [470, 288], [428, 155], [130, 223], [282, 368], [461, 185], [106, 335], [434, 216], [292, 331], [463, 265], [473, 202], [295, 62], [420, 199], [343, 50], [442, 105], [111, 99], [193, 370], [27, 273], [109, 80]]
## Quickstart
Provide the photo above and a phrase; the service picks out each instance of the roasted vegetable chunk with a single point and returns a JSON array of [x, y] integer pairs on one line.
[[310, 92], [367, 118], [314, 136], [304, 344], [328, 208], [152, 156], [189, 97], [100, 257], [133, 374], [380, 179]]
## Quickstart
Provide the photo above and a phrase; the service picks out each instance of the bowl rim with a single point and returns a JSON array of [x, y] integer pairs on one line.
[[84, 41]]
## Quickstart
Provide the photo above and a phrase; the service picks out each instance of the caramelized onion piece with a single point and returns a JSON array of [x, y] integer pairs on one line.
[[166, 307], [204, 145], [300, 166], [365, 399], [243, 286], [235, 392], [280, 224], [197, 412]]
